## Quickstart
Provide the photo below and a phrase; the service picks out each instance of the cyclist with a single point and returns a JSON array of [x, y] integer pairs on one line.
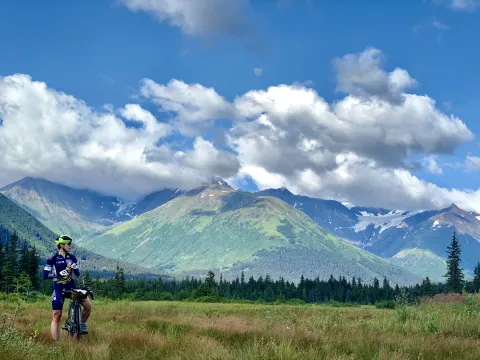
[[61, 267]]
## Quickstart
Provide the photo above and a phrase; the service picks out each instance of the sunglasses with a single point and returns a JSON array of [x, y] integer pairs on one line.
[[69, 244]]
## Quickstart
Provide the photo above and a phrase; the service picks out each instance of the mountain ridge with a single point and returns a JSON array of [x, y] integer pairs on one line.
[[14, 218], [217, 227]]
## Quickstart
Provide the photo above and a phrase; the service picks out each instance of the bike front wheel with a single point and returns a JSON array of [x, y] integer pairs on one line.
[[76, 321]]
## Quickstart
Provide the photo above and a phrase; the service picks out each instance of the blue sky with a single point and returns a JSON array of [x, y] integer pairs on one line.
[[99, 51]]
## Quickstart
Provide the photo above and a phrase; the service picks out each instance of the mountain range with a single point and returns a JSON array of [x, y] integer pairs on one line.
[[415, 240], [214, 227], [15, 219], [78, 212]]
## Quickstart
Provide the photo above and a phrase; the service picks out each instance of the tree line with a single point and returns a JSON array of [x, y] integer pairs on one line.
[[20, 265]]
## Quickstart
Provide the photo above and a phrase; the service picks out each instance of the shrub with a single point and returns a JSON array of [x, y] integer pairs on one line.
[[388, 304]]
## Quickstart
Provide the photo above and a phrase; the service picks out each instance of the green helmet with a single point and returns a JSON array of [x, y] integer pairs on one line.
[[63, 239]]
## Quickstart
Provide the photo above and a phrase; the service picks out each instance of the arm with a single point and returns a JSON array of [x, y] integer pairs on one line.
[[49, 270], [75, 267]]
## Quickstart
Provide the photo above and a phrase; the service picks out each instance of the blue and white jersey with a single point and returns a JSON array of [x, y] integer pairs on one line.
[[61, 269]]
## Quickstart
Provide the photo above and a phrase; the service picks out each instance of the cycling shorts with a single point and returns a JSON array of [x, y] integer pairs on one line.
[[57, 298]]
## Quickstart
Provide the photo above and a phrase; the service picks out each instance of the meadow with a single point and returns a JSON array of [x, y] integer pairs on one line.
[[448, 328]]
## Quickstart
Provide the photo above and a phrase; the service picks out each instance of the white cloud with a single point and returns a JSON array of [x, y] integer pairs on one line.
[[356, 149], [473, 163], [50, 134], [361, 75], [194, 106], [459, 5], [465, 5], [199, 17], [258, 71], [440, 26], [432, 165], [205, 18]]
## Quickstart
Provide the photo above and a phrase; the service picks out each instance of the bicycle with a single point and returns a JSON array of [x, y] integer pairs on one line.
[[74, 318]]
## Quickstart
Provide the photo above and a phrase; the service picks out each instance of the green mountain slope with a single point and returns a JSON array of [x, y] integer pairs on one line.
[[423, 262], [61, 208], [215, 227], [14, 218]]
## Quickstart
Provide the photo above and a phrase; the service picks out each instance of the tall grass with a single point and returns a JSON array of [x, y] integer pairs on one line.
[[433, 329]]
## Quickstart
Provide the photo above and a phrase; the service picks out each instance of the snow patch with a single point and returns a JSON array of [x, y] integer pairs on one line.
[[141, 244], [203, 195], [435, 223], [478, 217], [394, 218], [347, 204]]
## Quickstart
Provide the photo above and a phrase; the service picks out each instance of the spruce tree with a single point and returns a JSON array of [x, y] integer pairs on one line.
[[1, 264], [476, 278], [454, 275], [10, 262], [34, 260], [24, 262]]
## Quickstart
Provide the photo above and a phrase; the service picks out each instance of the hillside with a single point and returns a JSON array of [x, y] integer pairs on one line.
[[78, 212], [392, 234], [14, 218], [214, 227], [421, 261]]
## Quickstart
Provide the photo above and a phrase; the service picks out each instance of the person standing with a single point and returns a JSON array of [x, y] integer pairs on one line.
[[61, 267]]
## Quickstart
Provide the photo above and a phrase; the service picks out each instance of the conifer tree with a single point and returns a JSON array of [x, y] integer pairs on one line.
[[476, 278], [10, 262], [454, 275], [1, 264], [34, 260], [23, 266]]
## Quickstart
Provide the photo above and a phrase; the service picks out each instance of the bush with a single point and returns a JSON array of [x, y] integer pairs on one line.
[[335, 303], [388, 304]]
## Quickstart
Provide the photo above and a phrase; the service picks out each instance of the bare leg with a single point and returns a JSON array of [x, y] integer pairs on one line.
[[56, 316], [87, 309]]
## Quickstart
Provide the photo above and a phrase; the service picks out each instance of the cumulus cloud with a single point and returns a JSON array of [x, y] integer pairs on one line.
[[207, 18], [49, 134], [356, 149], [199, 17], [432, 166], [193, 106], [473, 163], [353, 150], [362, 75]]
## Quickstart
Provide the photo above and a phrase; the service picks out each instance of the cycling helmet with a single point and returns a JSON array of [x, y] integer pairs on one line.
[[63, 239]]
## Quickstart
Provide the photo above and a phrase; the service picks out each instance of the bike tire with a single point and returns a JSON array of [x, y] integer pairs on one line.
[[77, 317], [70, 319]]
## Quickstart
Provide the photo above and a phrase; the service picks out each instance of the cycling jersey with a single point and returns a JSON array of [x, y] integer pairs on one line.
[[61, 270]]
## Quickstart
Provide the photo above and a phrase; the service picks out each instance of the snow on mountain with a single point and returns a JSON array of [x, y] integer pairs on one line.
[[394, 218]]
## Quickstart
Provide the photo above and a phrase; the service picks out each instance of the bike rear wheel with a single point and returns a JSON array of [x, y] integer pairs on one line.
[[75, 317]]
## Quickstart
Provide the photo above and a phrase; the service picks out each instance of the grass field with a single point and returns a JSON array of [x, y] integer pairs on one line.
[[183, 330]]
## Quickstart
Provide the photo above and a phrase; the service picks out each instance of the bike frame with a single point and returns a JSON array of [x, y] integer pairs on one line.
[[74, 317]]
